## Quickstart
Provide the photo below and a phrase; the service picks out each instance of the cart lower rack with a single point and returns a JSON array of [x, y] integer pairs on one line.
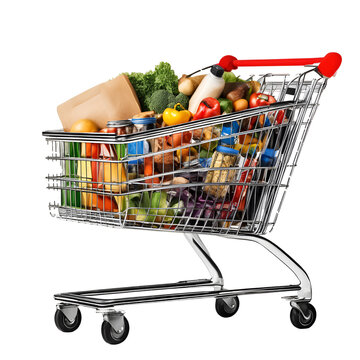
[[225, 175]]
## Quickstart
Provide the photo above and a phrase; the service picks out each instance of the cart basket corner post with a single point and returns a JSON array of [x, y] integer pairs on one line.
[[225, 175]]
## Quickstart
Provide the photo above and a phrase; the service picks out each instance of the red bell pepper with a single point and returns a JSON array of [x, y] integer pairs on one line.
[[106, 203], [95, 154], [207, 108], [239, 198], [98, 150], [102, 202], [280, 116]]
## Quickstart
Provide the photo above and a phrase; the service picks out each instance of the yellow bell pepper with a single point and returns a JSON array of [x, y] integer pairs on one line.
[[113, 173], [248, 139], [249, 147], [84, 173], [186, 152], [174, 117]]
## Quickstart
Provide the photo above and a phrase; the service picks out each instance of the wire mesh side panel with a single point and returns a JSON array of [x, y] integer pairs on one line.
[[227, 177], [311, 95]]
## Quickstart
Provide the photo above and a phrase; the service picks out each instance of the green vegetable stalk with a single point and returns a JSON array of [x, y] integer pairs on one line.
[[71, 198], [147, 207], [139, 205]]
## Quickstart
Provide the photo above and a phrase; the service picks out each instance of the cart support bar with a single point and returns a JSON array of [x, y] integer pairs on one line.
[[305, 292]]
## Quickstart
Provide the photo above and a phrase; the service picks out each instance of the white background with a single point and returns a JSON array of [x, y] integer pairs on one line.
[[52, 50]]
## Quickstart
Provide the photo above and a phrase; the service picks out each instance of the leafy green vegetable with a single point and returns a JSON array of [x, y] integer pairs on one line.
[[138, 205], [226, 105], [159, 203], [165, 78], [162, 78], [231, 77], [160, 100], [142, 84], [205, 154]]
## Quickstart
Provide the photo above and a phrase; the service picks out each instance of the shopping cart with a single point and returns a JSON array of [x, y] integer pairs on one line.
[[225, 175]]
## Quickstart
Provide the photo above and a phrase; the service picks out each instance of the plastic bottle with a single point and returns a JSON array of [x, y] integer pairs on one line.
[[211, 86]]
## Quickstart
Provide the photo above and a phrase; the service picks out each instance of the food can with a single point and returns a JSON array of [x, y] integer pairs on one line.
[[123, 127], [140, 147], [143, 124]]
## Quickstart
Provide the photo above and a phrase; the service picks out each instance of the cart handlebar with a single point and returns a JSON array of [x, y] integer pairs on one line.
[[327, 67]]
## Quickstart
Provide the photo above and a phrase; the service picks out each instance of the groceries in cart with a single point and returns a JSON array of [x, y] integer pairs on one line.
[[211, 153], [173, 152]]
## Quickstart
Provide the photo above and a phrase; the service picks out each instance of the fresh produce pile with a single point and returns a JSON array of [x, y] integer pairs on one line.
[[188, 163]]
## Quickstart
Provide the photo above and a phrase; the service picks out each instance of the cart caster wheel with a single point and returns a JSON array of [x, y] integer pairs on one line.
[[63, 324], [227, 308], [111, 336], [298, 319]]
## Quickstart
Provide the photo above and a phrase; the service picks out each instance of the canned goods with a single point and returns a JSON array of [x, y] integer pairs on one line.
[[123, 127], [140, 147]]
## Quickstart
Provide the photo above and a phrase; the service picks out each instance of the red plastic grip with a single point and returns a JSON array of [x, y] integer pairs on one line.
[[329, 64], [327, 67]]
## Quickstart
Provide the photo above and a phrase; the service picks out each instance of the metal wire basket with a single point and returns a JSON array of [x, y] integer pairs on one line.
[[196, 194]]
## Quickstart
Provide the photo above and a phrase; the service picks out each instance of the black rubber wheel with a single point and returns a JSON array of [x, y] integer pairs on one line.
[[64, 325], [111, 336], [224, 310], [298, 320]]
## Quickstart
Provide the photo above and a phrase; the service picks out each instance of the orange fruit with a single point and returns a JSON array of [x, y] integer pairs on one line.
[[84, 125]]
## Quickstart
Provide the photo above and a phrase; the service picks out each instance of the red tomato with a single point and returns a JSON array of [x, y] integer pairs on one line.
[[260, 99], [108, 130]]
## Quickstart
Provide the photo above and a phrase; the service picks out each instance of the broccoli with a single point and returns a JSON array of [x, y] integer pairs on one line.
[[171, 105], [160, 100], [183, 100]]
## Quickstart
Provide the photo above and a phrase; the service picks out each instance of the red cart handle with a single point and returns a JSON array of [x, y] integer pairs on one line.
[[327, 67]]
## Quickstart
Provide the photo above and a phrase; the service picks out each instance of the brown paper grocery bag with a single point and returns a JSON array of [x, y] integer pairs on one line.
[[112, 100]]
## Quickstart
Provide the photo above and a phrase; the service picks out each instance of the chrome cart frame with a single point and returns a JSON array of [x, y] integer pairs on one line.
[[90, 299], [260, 185]]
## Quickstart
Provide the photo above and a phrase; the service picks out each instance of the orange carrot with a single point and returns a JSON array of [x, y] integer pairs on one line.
[[149, 171]]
